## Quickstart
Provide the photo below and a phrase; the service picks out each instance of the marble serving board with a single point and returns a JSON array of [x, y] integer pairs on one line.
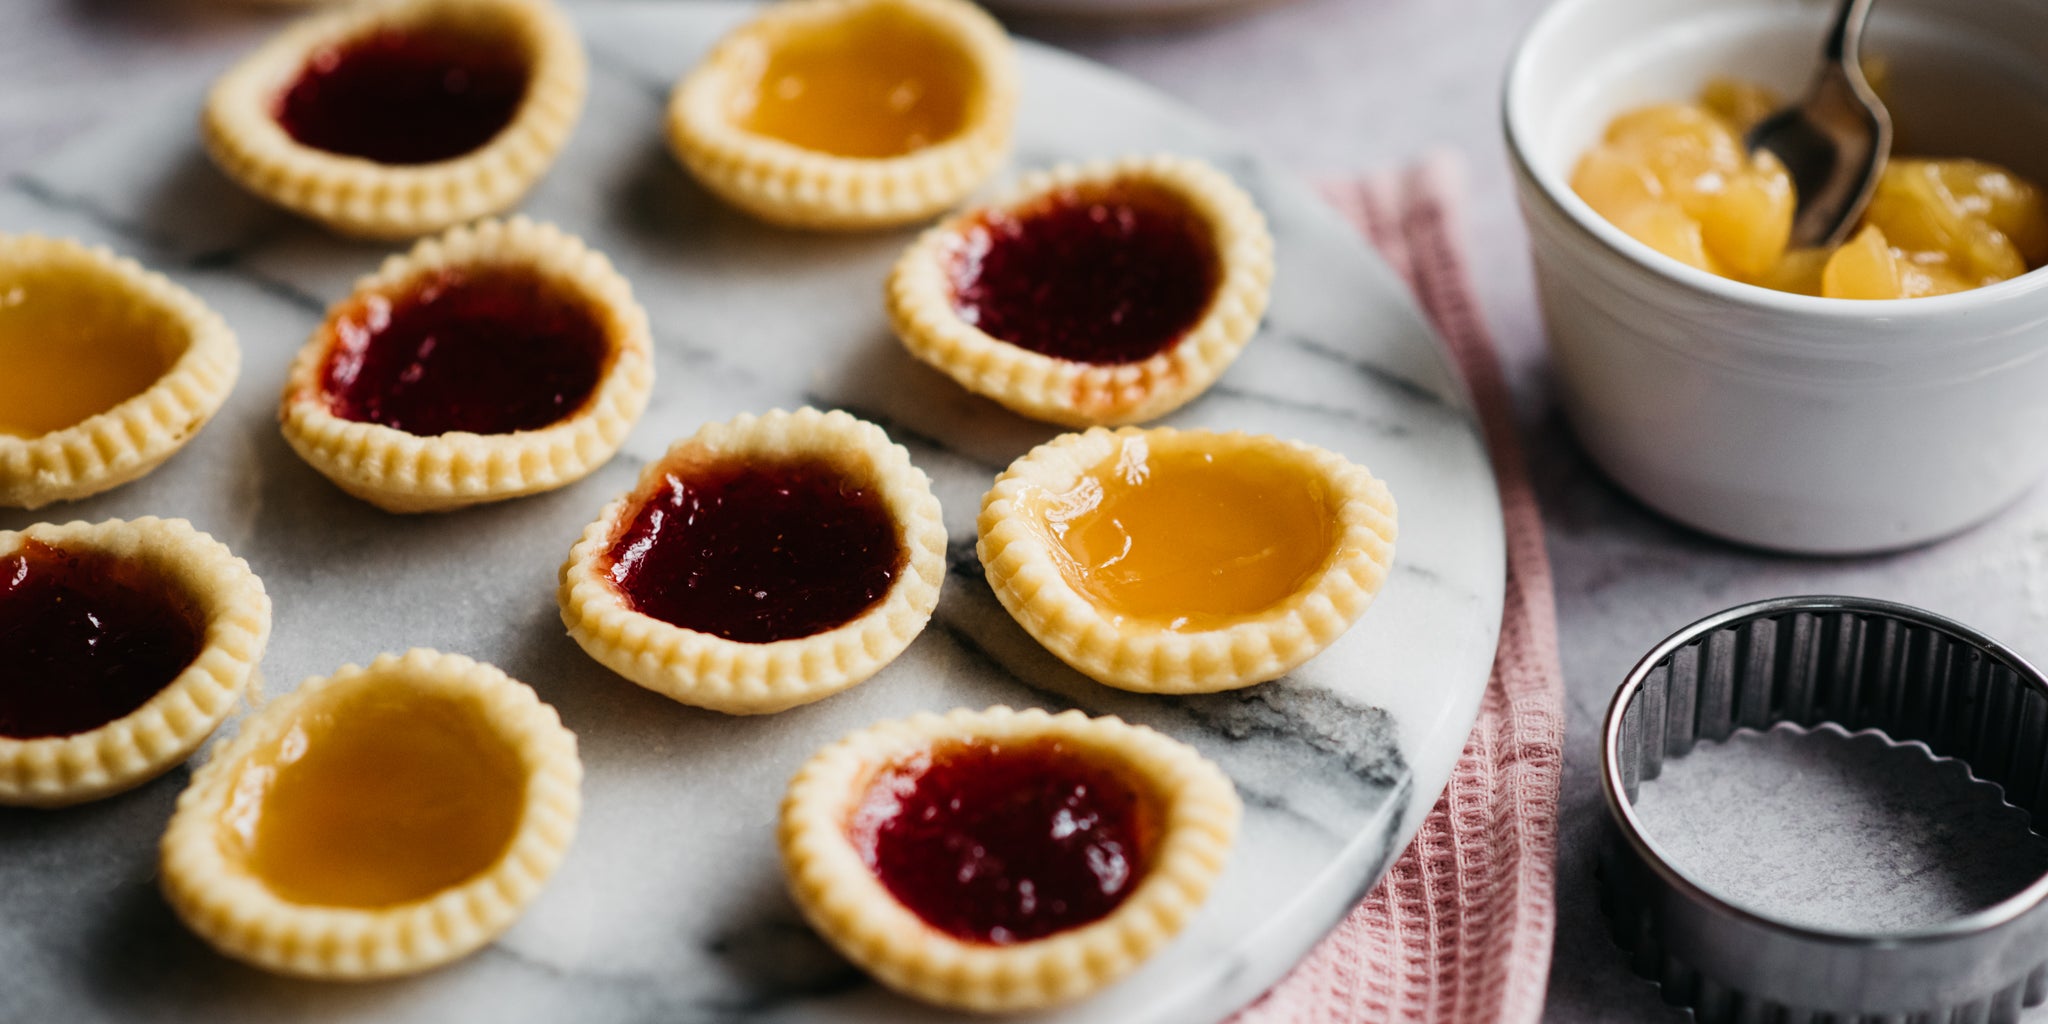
[[670, 907]]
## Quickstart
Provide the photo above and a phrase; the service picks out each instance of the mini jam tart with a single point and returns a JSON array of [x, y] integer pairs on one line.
[[376, 822], [106, 369], [760, 564], [401, 117], [1169, 561], [498, 360], [849, 114], [1004, 860], [122, 646], [1099, 294]]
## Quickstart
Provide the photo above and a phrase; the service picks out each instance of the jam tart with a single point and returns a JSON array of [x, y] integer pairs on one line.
[[498, 360], [123, 645], [1105, 293], [397, 118], [849, 114], [377, 822], [762, 563], [106, 369], [1004, 860], [1171, 561]]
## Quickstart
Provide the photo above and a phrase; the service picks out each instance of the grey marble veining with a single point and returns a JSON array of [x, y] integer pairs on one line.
[[670, 906]]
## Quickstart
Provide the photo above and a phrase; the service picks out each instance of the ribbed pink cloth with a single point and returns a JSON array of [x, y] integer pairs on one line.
[[1459, 931]]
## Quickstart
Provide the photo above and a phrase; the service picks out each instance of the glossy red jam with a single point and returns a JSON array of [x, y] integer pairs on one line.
[[758, 552], [84, 639], [404, 97], [1116, 279], [1002, 844], [488, 353]]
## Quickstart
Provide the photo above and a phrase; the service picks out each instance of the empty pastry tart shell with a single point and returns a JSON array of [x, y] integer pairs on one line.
[[404, 472], [1024, 569], [123, 443], [360, 197], [843, 899], [738, 678], [921, 302], [218, 896], [785, 184], [234, 612]]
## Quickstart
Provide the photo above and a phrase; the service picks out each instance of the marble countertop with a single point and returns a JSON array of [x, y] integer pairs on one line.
[[1326, 87]]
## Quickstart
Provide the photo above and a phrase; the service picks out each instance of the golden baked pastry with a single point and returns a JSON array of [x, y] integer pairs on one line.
[[1004, 860], [396, 118], [498, 360], [849, 114], [106, 369], [1100, 294], [122, 646], [762, 563], [1185, 561], [377, 822]]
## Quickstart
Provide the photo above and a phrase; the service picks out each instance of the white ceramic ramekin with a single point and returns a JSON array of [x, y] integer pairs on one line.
[[1787, 421]]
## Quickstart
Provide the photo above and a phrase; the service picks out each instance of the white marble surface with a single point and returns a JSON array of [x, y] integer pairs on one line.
[[1325, 87], [671, 901]]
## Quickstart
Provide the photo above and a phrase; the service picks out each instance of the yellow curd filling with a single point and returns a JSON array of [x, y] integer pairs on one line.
[[1675, 177], [70, 350], [375, 800], [876, 85], [1184, 539]]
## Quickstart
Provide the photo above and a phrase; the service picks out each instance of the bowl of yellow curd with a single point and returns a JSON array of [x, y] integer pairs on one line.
[[1876, 395]]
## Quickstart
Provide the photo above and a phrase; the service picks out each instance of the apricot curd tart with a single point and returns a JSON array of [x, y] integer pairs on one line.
[[762, 563], [849, 114], [377, 822], [1175, 561], [123, 645], [1004, 860], [106, 369], [499, 360], [396, 118], [1100, 294]]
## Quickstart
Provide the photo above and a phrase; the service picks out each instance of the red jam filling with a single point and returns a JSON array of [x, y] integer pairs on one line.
[[1117, 278], [84, 640], [404, 97], [488, 353], [758, 552], [1001, 844]]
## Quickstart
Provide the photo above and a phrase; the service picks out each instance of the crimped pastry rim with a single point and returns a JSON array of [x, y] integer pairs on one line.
[[237, 914], [404, 472], [748, 678], [785, 184], [1146, 657], [849, 906], [1077, 394], [58, 771], [121, 444], [363, 198]]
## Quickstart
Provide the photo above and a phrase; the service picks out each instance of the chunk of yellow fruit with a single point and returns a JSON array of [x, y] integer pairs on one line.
[[1864, 268], [1741, 104]]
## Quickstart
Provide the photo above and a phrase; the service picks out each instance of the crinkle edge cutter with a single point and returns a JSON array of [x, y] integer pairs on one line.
[[1862, 664]]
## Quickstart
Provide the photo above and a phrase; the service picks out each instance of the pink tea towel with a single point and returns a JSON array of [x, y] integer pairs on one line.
[[1459, 931]]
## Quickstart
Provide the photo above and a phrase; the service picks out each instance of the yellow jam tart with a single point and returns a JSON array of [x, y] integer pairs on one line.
[[499, 360], [762, 563], [106, 370], [1100, 294], [1003, 860], [122, 646], [1185, 561], [395, 118], [849, 114], [377, 822], [1674, 177]]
